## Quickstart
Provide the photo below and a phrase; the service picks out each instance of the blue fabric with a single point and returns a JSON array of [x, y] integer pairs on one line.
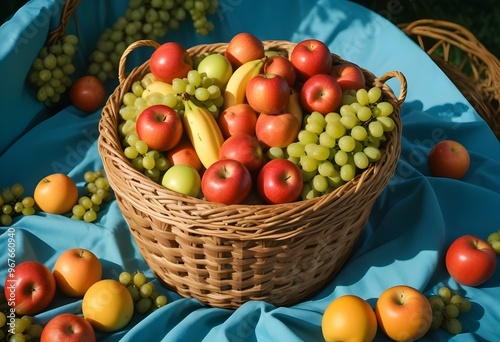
[[411, 225]]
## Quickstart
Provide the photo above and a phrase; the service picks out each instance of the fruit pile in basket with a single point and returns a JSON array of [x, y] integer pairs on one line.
[[251, 125]]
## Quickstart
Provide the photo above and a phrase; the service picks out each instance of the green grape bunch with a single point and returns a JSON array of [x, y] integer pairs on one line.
[[332, 149], [52, 69], [146, 19], [14, 203], [23, 329], [447, 306], [97, 192], [146, 298]]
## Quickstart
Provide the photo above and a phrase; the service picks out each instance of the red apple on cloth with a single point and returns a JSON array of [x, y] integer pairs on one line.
[[244, 148], [279, 181], [280, 65], [321, 93], [68, 327], [268, 93], [277, 130], [348, 76], [471, 261], [448, 158], [29, 288], [170, 60], [226, 181], [160, 127], [311, 57], [242, 48], [237, 119]]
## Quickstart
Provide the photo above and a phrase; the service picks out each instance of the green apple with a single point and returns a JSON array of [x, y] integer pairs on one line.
[[217, 67], [183, 179]]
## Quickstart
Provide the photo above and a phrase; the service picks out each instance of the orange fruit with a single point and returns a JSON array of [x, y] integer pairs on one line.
[[108, 305], [76, 270], [56, 194], [349, 318]]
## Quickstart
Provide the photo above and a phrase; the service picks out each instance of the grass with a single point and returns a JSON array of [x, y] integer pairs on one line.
[[478, 16]]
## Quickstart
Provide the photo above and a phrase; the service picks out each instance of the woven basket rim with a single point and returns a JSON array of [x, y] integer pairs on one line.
[[283, 44], [482, 88]]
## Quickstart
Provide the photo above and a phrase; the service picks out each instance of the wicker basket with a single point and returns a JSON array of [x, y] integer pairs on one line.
[[225, 255], [68, 11], [470, 66]]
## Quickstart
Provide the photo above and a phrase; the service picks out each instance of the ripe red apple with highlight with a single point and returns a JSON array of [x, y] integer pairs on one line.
[[348, 76], [226, 181], [471, 261], [311, 57], [277, 130], [68, 327], [237, 119], [280, 65], [268, 93], [448, 158], [244, 148], [160, 127], [279, 181], [30, 288], [242, 48], [321, 93], [170, 60]]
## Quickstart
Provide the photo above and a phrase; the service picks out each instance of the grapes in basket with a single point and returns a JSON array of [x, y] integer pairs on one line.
[[252, 122]]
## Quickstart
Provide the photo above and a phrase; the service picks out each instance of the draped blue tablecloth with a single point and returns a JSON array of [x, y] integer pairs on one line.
[[411, 225]]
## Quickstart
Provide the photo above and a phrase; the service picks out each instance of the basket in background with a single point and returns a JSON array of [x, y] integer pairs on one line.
[[468, 63], [226, 255]]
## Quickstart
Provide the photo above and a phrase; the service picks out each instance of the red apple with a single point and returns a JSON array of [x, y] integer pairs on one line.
[[242, 48], [170, 60], [471, 261], [311, 57], [280, 65], [321, 93], [184, 153], [348, 76], [160, 127], [448, 158], [268, 93], [277, 130], [68, 327], [226, 181], [279, 181], [236, 119], [244, 148], [30, 288]]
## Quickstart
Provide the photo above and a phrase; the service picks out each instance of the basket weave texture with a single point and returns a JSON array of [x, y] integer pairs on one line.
[[226, 255], [468, 63]]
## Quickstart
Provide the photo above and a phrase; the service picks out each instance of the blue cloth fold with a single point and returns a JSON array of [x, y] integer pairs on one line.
[[411, 225]]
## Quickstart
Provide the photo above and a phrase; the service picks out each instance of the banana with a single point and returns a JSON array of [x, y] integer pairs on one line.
[[234, 92], [203, 132], [294, 106], [157, 87]]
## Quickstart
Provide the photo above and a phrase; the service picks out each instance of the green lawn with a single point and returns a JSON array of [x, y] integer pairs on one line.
[[481, 17]]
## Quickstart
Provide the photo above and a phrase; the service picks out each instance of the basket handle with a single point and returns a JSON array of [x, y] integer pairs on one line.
[[402, 80], [68, 10], [123, 59]]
